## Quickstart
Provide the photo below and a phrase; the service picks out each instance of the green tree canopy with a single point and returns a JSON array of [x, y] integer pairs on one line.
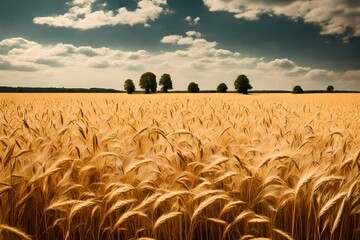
[[166, 82], [330, 88], [222, 88], [242, 84], [193, 87], [148, 82], [298, 89], [129, 86]]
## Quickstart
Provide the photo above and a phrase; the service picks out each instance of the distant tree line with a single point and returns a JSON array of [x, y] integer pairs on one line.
[[298, 89], [4, 89], [242, 85], [149, 84]]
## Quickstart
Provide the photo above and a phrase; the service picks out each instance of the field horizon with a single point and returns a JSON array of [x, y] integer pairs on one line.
[[6, 89]]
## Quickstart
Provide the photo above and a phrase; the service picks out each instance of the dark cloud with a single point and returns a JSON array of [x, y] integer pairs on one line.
[[49, 62], [6, 66], [103, 64], [87, 51], [66, 50]]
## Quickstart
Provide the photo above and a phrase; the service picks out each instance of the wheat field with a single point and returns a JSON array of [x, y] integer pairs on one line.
[[179, 166]]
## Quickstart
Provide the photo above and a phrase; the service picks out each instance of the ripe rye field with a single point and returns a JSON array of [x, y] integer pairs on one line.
[[179, 166]]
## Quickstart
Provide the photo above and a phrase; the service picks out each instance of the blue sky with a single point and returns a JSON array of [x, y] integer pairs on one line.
[[101, 43]]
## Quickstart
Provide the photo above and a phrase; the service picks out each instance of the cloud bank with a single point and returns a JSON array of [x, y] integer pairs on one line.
[[335, 17], [196, 59], [82, 15]]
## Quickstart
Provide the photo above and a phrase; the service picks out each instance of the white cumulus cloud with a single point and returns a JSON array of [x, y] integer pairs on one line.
[[82, 15], [192, 21], [335, 17]]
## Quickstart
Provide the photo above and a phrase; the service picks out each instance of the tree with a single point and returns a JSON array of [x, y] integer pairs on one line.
[[297, 89], [242, 84], [222, 88], [165, 82], [148, 82], [193, 87], [330, 88], [129, 86]]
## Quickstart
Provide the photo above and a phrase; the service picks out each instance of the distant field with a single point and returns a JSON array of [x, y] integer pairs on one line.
[[180, 166]]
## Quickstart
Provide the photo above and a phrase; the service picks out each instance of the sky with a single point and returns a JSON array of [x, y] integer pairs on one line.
[[277, 44]]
